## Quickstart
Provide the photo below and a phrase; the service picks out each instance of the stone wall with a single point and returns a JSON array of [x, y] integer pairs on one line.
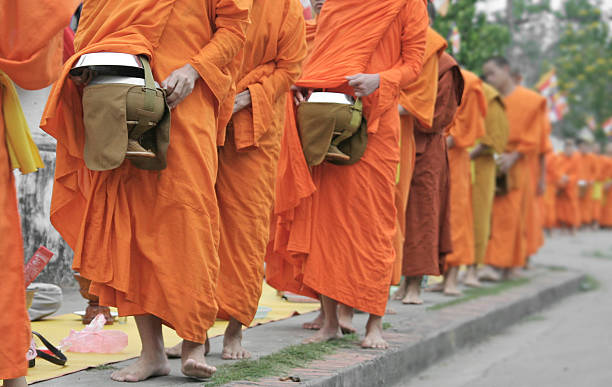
[[34, 193]]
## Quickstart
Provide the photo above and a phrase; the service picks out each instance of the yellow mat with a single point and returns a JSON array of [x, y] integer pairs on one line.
[[56, 328]]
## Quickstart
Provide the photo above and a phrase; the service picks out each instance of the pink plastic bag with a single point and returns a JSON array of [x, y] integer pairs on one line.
[[94, 338]]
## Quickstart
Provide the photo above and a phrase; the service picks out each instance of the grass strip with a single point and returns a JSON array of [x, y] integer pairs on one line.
[[474, 293], [278, 363], [589, 283], [596, 254]]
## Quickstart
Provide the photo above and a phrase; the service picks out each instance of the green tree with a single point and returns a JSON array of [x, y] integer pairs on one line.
[[584, 65], [480, 38]]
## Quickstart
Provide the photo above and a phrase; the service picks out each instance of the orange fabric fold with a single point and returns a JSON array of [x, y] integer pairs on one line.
[[466, 129], [567, 202], [274, 50], [31, 47], [419, 99], [31, 55], [142, 237], [340, 239], [528, 119]]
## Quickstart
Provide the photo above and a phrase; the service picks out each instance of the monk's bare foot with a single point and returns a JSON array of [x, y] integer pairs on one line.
[[175, 352], [143, 369], [17, 382], [413, 291], [400, 293], [412, 299], [324, 334], [471, 278], [345, 319], [451, 282], [232, 342], [193, 363], [315, 324], [374, 334], [437, 288], [390, 311], [513, 274], [489, 274]]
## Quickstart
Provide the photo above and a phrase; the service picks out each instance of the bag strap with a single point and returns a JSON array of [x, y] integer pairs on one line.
[[357, 113], [149, 87], [59, 358]]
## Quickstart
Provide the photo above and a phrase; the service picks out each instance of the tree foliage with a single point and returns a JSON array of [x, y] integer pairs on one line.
[[584, 65], [480, 38]]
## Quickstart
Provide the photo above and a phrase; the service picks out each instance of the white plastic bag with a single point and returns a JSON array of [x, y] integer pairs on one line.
[[95, 339]]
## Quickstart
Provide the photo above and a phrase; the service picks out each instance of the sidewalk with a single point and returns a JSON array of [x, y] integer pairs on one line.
[[418, 336]]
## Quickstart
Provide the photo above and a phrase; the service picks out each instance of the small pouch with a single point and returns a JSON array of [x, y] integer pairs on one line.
[[322, 124]]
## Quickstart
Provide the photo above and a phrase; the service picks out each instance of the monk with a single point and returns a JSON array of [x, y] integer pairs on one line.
[[606, 210], [483, 187], [527, 117], [586, 181], [32, 59], [599, 161], [428, 233], [144, 237], [417, 103], [467, 127], [347, 255], [274, 50], [550, 213], [311, 25], [567, 202]]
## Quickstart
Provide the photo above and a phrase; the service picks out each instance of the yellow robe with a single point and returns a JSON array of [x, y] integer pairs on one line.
[[483, 188]]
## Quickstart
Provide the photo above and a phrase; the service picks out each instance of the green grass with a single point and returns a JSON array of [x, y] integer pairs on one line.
[[278, 363], [386, 326], [589, 284], [596, 254], [535, 317], [472, 294], [556, 268]]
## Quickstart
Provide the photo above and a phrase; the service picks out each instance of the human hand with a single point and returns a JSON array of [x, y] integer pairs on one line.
[[180, 84], [364, 84], [507, 160], [84, 78], [242, 100], [299, 95]]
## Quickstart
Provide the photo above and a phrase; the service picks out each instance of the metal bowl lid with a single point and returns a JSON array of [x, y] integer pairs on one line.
[[327, 97], [106, 79], [108, 59]]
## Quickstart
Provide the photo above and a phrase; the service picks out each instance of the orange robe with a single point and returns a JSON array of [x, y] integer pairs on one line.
[[527, 117], [534, 232], [419, 99], [567, 202], [552, 176], [143, 237], [589, 174], [273, 54], [428, 234], [469, 125], [340, 238], [311, 30], [606, 209], [32, 58], [599, 178]]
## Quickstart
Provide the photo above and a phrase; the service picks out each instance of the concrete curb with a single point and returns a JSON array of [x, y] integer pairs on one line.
[[436, 336]]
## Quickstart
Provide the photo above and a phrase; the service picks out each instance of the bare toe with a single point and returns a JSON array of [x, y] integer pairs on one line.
[[198, 370]]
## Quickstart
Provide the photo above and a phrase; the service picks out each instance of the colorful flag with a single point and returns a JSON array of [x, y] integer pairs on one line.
[[547, 86], [607, 126], [455, 38], [591, 123]]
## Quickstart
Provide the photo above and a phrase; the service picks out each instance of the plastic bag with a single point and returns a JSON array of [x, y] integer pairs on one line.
[[94, 338]]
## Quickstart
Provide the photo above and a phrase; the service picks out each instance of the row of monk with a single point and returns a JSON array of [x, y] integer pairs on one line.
[[455, 178]]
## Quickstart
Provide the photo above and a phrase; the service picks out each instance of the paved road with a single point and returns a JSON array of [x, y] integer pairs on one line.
[[567, 345]]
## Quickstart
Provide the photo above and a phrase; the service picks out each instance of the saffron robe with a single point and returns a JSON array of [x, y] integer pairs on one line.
[[340, 239], [606, 209], [588, 173], [428, 234], [274, 50], [419, 99], [469, 125], [143, 237], [600, 178], [567, 202], [552, 176], [483, 187], [527, 117], [31, 56]]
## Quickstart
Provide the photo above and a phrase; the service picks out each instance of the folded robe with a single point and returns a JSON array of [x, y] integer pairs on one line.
[[143, 237], [340, 239]]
